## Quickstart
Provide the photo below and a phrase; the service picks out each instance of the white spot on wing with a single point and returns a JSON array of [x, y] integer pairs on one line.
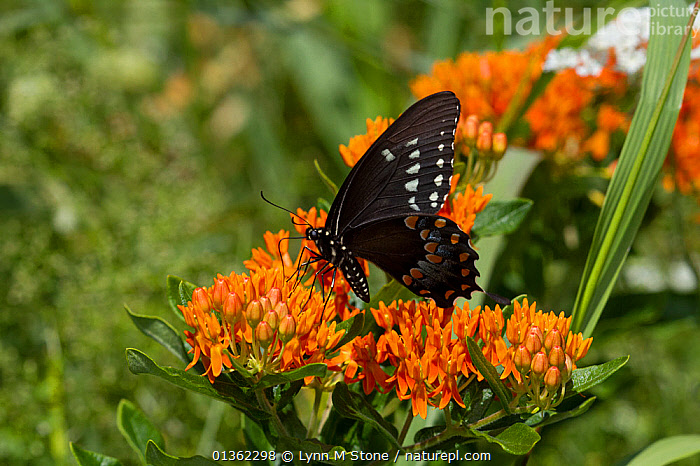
[[442, 133], [412, 204], [433, 204], [412, 142], [415, 154], [438, 180], [413, 169], [388, 155], [434, 196], [412, 185], [439, 163], [441, 147]]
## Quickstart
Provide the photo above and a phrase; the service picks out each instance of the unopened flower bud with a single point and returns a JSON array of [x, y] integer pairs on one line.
[[232, 308], [486, 127], [522, 359], [553, 339], [500, 144], [220, 292], [552, 378], [275, 295], [533, 340], [264, 333], [557, 357], [254, 313], [539, 364], [281, 309], [200, 298], [287, 328], [568, 369], [471, 129], [265, 303], [483, 142], [272, 318]]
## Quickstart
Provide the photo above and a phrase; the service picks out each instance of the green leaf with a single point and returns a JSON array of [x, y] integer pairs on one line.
[[545, 418], [517, 439], [332, 186], [179, 292], [136, 428], [157, 457], [637, 172], [231, 393], [310, 370], [482, 398], [352, 326], [355, 406], [490, 374], [587, 377], [501, 217], [90, 458], [667, 450], [162, 332]]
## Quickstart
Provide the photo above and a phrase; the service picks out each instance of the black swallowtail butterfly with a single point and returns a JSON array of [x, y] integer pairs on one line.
[[385, 210]]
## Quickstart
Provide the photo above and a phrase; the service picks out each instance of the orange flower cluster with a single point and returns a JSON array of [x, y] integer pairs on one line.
[[487, 84], [259, 322], [543, 351], [558, 120], [423, 352]]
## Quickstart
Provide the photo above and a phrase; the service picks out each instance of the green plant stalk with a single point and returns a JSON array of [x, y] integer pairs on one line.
[[629, 187]]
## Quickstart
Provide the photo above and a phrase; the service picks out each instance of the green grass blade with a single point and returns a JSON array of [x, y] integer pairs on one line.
[[639, 166]]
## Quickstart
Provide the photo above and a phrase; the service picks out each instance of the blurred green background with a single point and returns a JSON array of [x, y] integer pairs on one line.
[[135, 138]]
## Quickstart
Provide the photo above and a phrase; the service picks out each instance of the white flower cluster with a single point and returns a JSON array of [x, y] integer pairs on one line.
[[627, 35]]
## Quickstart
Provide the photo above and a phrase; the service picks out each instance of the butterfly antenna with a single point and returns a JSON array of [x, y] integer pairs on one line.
[[279, 250], [286, 210]]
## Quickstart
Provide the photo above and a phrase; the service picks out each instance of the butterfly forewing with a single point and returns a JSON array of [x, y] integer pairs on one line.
[[406, 171], [428, 254], [384, 211]]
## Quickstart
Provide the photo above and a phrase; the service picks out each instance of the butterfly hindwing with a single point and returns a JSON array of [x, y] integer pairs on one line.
[[428, 254], [406, 171]]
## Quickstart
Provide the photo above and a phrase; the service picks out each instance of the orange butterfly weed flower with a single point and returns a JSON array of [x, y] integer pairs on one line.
[[275, 254], [427, 347], [462, 207], [261, 322], [608, 120]]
